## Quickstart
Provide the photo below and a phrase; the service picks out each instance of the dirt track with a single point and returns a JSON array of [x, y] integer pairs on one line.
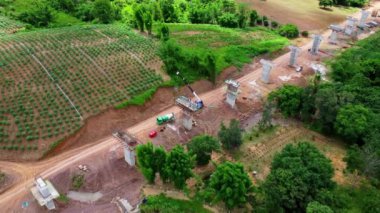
[[46, 168]]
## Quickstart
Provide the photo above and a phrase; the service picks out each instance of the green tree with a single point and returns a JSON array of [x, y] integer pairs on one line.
[[202, 146], [231, 184], [39, 15], [168, 11], [242, 16], [327, 105], [298, 173], [151, 160], [148, 19], [266, 120], [139, 17], [179, 165], [316, 207], [289, 31], [103, 11], [253, 16], [325, 3], [164, 32], [228, 20], [231, 136], [287, 99], [352, 121], [210, 62]]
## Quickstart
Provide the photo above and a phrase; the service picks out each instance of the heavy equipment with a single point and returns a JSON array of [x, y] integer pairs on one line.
[[165, 118], [187, 102]]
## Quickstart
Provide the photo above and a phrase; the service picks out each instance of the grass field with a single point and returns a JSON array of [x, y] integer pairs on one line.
[[306, 14], [231, 46], [51, 80], [163, 204]]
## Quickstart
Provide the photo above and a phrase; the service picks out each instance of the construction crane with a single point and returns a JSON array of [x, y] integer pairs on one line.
[[186, 102]]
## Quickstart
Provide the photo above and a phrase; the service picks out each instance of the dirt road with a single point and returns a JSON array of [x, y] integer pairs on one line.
[[27, 171]]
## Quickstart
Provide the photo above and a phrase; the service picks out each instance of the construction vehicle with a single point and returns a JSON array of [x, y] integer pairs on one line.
[[165, 118], [187, 102]]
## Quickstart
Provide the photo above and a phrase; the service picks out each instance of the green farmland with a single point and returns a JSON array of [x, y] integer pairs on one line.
[[52, 80]]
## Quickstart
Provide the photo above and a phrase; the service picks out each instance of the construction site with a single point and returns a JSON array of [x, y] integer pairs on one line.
[[95, 169]]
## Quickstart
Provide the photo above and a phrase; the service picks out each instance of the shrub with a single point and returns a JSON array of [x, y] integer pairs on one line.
[[77, 181], [289, 31], [305, 33], [228, 20]]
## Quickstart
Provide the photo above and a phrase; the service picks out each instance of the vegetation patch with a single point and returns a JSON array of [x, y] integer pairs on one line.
[[163, 204], [77, 181], [231, 47]]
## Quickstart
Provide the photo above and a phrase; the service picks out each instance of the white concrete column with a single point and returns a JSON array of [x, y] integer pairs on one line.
[[267, 68], [363, 18], [294, 52], [316, 43]]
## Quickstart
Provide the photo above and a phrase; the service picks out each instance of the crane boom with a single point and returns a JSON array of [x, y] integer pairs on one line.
[[199, 101]]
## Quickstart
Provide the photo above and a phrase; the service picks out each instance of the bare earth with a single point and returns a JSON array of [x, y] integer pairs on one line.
[[110, 175]]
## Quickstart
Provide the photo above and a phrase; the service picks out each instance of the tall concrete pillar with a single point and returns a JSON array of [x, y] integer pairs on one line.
[[294, 52], [130, 155], [232, 92], [316, 43], [363, 18], [267, 68], [187, 120], [350, 25]]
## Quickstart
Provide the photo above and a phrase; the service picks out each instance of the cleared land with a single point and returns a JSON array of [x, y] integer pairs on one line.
[[51, 80], [306, 14], [230, 46]]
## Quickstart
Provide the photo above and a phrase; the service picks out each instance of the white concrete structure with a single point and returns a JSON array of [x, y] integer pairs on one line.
[[129, 142], [350, 25], [232, 92], [187, 119], [335, 29], [45, 193], [294, 53], [316, 43], [363, 18], [267, 68]]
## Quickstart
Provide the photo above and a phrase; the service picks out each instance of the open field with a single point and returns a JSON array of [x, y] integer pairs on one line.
[[259, 148], [306, 14], [51, 80], [230, 46]]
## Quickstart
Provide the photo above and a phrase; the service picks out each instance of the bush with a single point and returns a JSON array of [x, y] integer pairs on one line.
[[231, 136], [228, 20], [202, 146], [39, 15], [274, 24], [289, 31], [103, 11], [305, 33], [77, 181]]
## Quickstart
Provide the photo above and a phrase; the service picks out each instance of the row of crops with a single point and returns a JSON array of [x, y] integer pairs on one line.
[[8, 26], [50, 80]]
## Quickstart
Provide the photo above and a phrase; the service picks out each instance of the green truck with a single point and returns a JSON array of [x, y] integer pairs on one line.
[[165, 118]]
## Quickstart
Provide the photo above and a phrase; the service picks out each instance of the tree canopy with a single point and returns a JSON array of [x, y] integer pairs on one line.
[[298, 173], [202, 146], [231, 184], [179, 165]]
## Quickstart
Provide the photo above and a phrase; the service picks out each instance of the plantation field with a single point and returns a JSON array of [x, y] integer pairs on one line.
[[8, 26], [51, 80], [230, 46], [306, 14]]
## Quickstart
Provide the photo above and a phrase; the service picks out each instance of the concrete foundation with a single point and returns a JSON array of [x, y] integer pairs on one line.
[[232, 92], [350, 25]]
